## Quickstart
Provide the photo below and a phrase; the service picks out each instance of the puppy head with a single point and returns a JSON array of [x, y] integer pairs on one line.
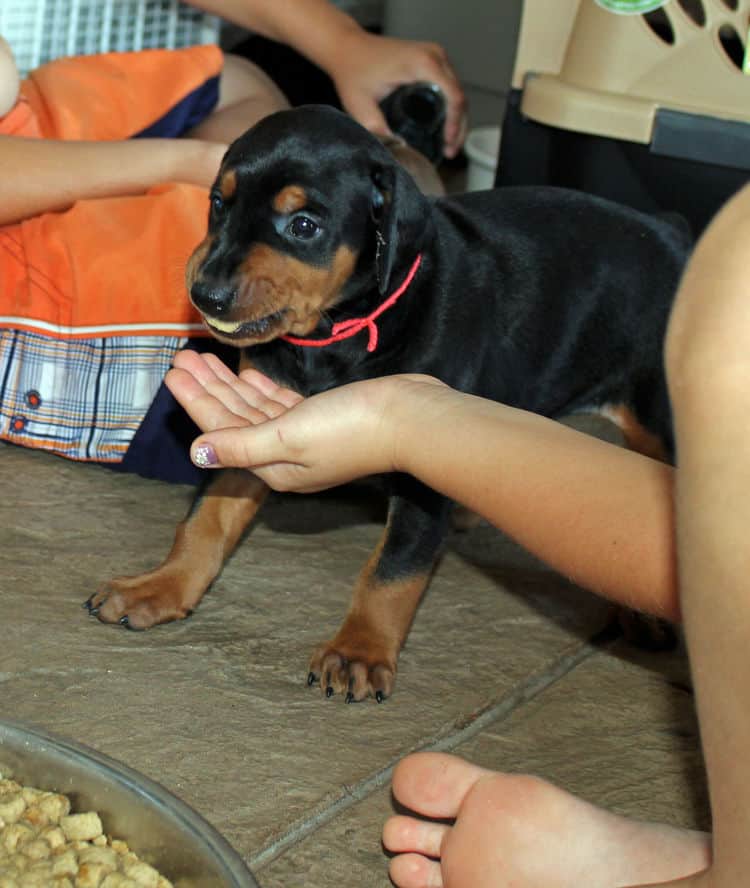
[[308, 211]]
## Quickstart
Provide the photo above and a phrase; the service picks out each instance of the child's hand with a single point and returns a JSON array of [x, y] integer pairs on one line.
[[370, 66], [293, 443]]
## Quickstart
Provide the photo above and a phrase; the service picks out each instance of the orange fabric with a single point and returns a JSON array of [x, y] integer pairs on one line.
[[114, 95], [113, 266]]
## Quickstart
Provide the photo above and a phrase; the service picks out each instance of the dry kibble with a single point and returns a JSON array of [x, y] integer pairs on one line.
[[36, 849], [91, 875], [43, 845], [9, 786], [117, 880], [12, 806], [55, 806], [100, 854], [15, 835], [143, 874], [30, 795], [53, 836], [81, 827], [65, 864]]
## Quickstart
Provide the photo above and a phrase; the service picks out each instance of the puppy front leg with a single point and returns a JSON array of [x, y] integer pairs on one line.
[[360, 660], [203, 542]]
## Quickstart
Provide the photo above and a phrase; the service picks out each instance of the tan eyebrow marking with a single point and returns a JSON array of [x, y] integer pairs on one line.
[[290, 199], [228, 184]]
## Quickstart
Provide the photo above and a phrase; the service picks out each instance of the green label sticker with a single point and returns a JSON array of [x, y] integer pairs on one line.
[[631, 7]]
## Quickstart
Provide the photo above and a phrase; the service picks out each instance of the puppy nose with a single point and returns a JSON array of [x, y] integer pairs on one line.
[[212, 298]]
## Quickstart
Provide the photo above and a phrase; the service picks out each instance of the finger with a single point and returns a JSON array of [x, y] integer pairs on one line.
[[247, 448], [264, 384], [444, 76], [456, 124], [364, 109], [219, 368], [243, 400], [204, 366], [206, 411], [193, 362], [245, 391], [239, 396]]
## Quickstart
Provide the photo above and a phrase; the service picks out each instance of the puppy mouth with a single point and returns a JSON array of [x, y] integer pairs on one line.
[[258, 328]]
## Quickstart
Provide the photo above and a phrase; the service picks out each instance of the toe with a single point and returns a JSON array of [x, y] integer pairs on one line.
[[433, 783], [415, 871], [359, 685], [402, 834]]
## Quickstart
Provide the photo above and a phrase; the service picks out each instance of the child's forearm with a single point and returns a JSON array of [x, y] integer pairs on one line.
[[42, 175], [313, 27], [597, 513]]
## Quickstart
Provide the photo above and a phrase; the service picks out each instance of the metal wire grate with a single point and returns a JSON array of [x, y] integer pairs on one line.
[[40, 30]]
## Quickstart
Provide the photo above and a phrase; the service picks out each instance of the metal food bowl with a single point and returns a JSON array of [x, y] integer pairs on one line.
[[162, 830]]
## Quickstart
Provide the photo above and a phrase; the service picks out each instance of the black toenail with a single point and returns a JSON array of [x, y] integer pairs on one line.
[[310, 679], [93, 611], [380, 696], [124, 621], [329, 691], [349, 697]]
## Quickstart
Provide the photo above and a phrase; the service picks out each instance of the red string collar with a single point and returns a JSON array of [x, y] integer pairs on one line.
[[345, 329]]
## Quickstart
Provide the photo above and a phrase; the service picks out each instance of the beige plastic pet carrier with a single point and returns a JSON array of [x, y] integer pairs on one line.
[[672, 77], [40, 30]]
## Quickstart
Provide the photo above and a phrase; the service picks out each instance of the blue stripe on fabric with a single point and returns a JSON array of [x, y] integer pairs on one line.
[[161, 446], [186, 114]]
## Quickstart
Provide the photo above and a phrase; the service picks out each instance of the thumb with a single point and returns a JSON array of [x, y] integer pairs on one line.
[[241, 448], [366, 111]]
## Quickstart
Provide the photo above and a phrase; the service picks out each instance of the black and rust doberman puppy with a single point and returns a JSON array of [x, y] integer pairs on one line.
[[325, 264]]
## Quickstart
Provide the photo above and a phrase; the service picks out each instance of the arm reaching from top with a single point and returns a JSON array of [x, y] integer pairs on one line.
[[598, 513], [364, 67]]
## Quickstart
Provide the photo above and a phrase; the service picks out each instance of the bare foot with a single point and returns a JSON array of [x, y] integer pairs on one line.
[[520, 831]]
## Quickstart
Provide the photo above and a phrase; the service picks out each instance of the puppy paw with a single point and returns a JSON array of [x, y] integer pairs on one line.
[[356, 671], [139, 602]]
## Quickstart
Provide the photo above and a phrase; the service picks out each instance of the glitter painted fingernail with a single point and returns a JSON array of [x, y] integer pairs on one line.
[[204, 456]]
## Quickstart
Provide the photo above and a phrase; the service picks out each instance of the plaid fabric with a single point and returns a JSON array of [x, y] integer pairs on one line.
[[80, 398]]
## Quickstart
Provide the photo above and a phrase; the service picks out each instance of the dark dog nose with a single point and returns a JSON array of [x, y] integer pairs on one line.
[[213, 299]]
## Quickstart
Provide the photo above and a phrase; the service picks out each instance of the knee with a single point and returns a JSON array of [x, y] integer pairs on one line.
[[243, 81], [706, 350], [9, 80]]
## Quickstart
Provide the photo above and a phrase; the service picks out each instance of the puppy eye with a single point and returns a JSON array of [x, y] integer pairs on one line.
[[303, 227], [217, 202]]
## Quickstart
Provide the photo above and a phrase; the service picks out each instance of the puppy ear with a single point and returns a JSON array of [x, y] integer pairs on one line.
[[399, 213]]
